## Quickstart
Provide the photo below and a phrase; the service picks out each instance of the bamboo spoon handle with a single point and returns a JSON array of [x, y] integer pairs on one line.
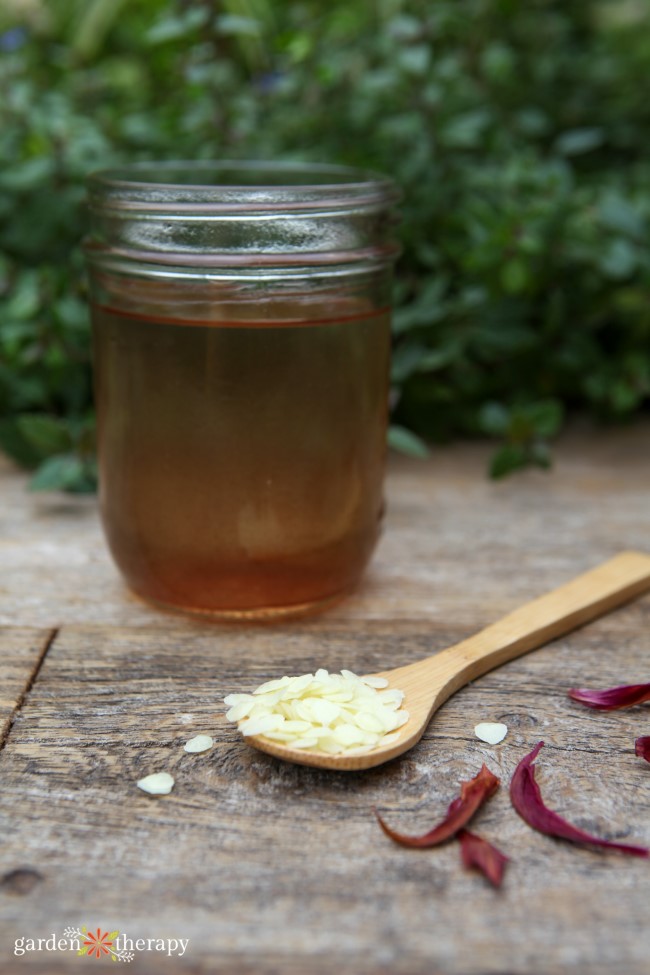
[[558, 612]]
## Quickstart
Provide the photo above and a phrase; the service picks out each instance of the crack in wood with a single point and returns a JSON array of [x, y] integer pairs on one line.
[[9, 723]]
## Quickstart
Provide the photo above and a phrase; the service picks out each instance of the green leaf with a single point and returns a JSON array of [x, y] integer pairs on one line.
[[465, 131], [72, 313], [544, 418], [509, 458], [235, 24], [176, 28], [405, 361], [406, 442], [25, 300], [61, 473], [46, 434], [623, 397], [619, 259], [540, 455], [97, 18], [515, 276], [578, 141], [494, 419], [404, 27], [617, 214], [415, 59], [13, 442], [26, 175], [427, 309], [410, 358], [498, 61]]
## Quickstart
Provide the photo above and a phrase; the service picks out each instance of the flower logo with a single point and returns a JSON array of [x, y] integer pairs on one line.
[[99, 944]]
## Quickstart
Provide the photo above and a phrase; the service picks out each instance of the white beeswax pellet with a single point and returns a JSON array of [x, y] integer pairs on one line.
[[158, 784], [200, 743], [491, 731]]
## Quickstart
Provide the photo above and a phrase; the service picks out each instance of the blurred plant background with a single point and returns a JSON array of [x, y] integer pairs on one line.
[[518, 130]]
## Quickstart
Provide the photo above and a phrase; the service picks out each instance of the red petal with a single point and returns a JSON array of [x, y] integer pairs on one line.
[[472, 796], [527, 800], [477, 852], [616, 697], [642, 748]]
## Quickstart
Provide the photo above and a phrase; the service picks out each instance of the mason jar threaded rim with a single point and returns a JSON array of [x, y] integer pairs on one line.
[[177, 186], [229, 213]]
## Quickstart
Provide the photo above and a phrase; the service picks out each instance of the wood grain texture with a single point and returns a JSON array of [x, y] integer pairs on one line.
[[456, 547], [274, 868], [271, 868], [21, 652]]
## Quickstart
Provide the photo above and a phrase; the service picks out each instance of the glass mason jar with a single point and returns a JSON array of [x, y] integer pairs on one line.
[[241, 329]]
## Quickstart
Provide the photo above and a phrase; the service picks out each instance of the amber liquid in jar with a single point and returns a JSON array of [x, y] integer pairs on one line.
[[241, 461]]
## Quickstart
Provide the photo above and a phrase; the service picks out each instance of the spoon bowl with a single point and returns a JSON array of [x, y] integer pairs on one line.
[[428, 683]]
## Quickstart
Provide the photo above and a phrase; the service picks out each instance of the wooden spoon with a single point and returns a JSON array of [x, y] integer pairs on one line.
[[428, 683]]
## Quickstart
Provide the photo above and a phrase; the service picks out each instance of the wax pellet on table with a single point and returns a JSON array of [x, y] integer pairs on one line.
[[200, 743], [158, 784], [491, 732]]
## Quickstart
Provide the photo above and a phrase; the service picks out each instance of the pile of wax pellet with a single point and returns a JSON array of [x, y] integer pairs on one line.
[[322, 712]]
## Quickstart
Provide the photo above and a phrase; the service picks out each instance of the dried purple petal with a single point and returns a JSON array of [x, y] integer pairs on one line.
[[477, 852], [472, 796], [527, 800], [642, 747], [615, 697]]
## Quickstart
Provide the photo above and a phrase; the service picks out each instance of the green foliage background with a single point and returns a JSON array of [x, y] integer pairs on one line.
[[518, 131]]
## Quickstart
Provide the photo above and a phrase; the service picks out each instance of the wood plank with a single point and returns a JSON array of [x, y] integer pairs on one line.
[[272, 868], [21, 653], [456, 546]]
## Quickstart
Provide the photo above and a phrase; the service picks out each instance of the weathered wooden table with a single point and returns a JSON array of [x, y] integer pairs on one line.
[[266, 867]]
